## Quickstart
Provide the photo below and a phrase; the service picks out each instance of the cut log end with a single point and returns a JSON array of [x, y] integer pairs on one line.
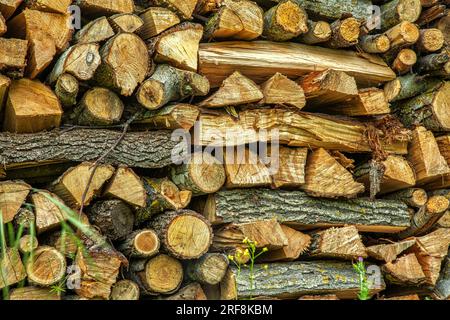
[[47, 267]]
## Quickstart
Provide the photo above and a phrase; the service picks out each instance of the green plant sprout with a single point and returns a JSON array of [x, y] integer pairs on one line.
[[360, 268]]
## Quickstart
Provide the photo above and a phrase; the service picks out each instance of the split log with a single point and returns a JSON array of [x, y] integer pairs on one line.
[[170, 84], [389, 252], [11, 268], [295, 279], [113, 218], [291, 168], [403, 34], [99, 107], [127, 186], [430, 40], [94, 8], [48, 214], [126, 22], [337, 243], [296, 129], [47, 266], [65, 242], [201, 174], [178, 46], [191, 292], [88, 145], [398, 174], [265, 233], [123, 70], [442, 288], [345, 33], [125, 290], [377, 43], [409, 86], [280, 90], [433, 62], [7, 7], [404, 271], [251, 16], [174, 116], [41, 53], [33, 294], [404, 61], [31, 107], [428, 109], [298, 244], [396, 11], [159, 275], [184, 9], [260, 60], [161, 195], [413, 197], [184, 234], [12, 196], [49, 5], [424, 156], [209, 269], [81, 61], [326, 177], [73, 186], [95, 31], [426, 217], [140, 244], [328, 87], [25, 218], [223, 24], [28, 244], [444, 148], [5, 82], [300, 211], [66, 89], [13, 57], [285, 21], [157, 20], [318, 32]]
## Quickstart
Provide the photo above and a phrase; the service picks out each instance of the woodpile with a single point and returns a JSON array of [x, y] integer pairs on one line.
[[162, 147]]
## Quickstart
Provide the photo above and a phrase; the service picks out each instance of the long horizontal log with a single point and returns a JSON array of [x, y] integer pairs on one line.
[[260, 60], [301, 211], [294, 279], [297, 129], [136, 149]]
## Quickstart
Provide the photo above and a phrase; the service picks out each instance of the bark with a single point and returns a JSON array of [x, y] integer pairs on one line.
[[300, 211], [442, 288], [223, 24], [13, 57], [409, 86], [413, 197], [336, 9], [397, 11], [432, 62]]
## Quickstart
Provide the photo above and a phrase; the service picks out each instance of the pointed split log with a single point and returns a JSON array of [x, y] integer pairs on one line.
[[251, 16], [433, 62], [126, 22], [157, 20], [335, 10], [95, 8], [389, 252], [12, 270], [140, 244], [223, 24], [125, 290], [209, 269], [127, 186], [406, 270], [184, 9], [12, 196], [8, 7], [318, 32], [48, 215], [13, 57], [298, 244], [291, 168], [300, 211], [409, 86], [444, 148], [95, 31], [442, 288], [174, 116], [41, 53], [281, 90], [47, 266], [413, 197]]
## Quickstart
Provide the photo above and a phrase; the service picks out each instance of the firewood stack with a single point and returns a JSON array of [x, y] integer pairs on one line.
[[99, 201]]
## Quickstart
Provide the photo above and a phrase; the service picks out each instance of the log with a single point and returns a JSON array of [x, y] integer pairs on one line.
[[260, 60], [126, 22], [125, 290], [285, 21], [280, 90], [430, 40], [295, 279], [170, 84], [296, 129], [159, 275], [173, 116], [11, 268], [113, 218], [427, 109], [13, 54], [191, 292], [404, 271], [389, 252], [444, 25], [66, 89], [31, 100], [335, 10], [442, 288], [49, 5], [73, 186], [413, 197], [33, 294], [251, 16], [404, 61], [209, 269], [48, 215], [318, 32], [300, 211], [396, 11], [326, 177], [432, 62], [127, 186], [157, 20], [5, 82], [291, 171], [99, 107], [345, 33], [113, 74], [60, 146], [81, 61], [25, 218], [223, 24], [201, 174], [409, 86], [95, 8], [47, 266], [298, 244], [265, 234], [425, 158], [403, 34], [443, 181], [178, 46], [28, 244], [12, 196], [41, 53], [184, 234], [95, 31], [377, 43], [63, 241], [184, 9], [337, 243], [398, 174], [7, 7], [235, 90], [140, 244]]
